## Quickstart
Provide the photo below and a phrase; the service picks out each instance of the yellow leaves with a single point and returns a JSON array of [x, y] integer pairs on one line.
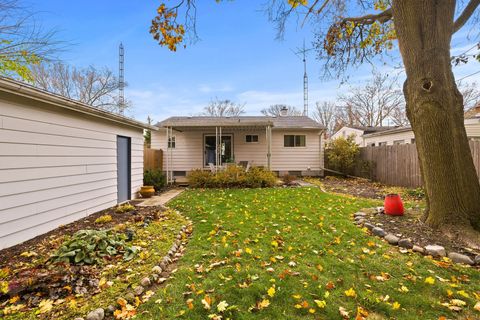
[[320, 303], [274, 243], [222, 306], [259, 305], [296, 3], [248, 251], [362, 314], [395, 305], [44, 306], [28, 254], [271, 291], [430, 280], [454, 304], [207, 302], [477, 306], [319, 267], [403, 289], [351, 293], [463, 294], [189, 303], [302, 305]]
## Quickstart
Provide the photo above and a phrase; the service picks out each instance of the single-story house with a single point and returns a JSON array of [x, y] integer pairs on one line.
[[61, 160], [283, 144], [357, 132], [404, 135]]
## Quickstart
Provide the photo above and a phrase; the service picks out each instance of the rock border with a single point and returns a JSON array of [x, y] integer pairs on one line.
[[158, 275], [405, 244]]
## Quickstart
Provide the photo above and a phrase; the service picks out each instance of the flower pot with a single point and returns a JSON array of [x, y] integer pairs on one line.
[[393, 205], [147, 191]]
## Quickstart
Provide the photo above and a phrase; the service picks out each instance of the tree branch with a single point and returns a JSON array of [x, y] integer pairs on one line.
[[382, 17], [465, 15]]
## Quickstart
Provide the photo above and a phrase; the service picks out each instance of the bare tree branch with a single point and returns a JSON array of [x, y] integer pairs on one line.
[[275, 110], [465, 15], [223, 108]]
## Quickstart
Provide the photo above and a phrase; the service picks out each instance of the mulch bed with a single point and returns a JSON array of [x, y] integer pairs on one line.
[[410, 226], [355, 187]]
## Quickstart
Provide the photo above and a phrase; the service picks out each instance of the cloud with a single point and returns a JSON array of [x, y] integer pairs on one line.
[[205, 88]]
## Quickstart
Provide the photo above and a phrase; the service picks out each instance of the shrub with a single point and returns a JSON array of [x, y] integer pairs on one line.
[[103, 219], [288, 179], [127, 207], [155, 178], [91, 246], [232, 176], [341, 154]]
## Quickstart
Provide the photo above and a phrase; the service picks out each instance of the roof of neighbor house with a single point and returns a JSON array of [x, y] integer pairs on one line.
[[283, 122], [368, 129], [386, 132], [28, 91], [473, 112]]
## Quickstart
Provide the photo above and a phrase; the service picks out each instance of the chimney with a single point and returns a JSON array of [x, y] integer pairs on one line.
[[283, 111]]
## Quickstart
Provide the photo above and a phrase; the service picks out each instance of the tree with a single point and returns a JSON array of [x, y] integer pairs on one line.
[[22, 42], [223, 108], [147, 134], [275, 110], [423, 30], [95, 87], [470, 94], [326, 113], [372, 104]]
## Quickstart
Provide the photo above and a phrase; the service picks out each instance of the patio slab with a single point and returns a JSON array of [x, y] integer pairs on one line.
[[161, 199]]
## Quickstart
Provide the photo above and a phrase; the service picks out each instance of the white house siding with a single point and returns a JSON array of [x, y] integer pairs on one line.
[[344, 132], [188, 151], [297, 158], [57, 166], [405, 136]]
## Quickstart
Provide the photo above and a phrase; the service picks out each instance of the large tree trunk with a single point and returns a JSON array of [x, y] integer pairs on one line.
[[435, 110]]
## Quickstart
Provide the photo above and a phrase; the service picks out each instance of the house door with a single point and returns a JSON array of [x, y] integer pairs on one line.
[[123, 169], [225, 148]]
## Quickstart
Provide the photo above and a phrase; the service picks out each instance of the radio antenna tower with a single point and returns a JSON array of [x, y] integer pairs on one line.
[[302, 53], [121, 79]]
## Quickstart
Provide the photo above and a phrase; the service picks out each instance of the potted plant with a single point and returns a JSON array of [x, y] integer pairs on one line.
[[147, 191]]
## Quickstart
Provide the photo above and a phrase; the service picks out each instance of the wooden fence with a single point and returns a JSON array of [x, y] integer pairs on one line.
[[152, 159], [398, 164]]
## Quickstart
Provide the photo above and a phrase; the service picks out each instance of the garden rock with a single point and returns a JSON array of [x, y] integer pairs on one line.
[[145, 282], [392, 239], [359, 214], [435, 250], [405, 243], [138, 290], [97, 314], [460, 258], [359, 221], [110, 309], [78, 319], [477, 259], [368, 225], [379, 232], [130, 297], [157, 270], [418, 249]]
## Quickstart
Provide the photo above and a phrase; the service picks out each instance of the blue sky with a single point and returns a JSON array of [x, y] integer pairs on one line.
[[237, 57]]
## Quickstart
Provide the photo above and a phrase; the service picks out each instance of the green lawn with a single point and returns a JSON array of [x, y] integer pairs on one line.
[[294, 253]]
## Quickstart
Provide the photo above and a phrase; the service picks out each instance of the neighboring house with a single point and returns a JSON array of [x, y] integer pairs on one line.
[[405, 135], [357, 132], [284, 144], [61, 160]]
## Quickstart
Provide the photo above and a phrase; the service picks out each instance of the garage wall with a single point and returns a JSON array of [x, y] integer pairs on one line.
[[56, 166]]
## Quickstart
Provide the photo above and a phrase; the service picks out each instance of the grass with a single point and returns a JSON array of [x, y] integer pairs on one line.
[[294, 253]]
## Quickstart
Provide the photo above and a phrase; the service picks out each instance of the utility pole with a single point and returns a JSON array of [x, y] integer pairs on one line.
[[121, 79]]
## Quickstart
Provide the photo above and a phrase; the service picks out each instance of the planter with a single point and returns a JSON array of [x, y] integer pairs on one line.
[[393, 205], [147, 191]]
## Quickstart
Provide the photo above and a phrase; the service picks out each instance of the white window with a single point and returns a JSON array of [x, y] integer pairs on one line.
[[384, 143], [399, 142], [294, 140], [171, 142], [251, 138]]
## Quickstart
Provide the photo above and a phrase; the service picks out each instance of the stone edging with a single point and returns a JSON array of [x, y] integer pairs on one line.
[[159, 273], [436, 251]]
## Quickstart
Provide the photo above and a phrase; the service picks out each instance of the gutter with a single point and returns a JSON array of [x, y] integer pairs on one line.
[[30, 92]]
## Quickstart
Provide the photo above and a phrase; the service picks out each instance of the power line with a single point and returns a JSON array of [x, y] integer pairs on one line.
[[468, 76]]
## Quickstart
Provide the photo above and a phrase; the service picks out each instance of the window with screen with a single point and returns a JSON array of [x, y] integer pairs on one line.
[[294, 140], [171, 142], [251, 138]]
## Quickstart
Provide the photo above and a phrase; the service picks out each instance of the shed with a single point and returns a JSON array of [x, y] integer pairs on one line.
[[61, 160]]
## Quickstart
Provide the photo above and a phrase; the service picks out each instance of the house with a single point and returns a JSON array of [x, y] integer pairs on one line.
[[284, 144], [404, 135], [61, 160], [357, 132]]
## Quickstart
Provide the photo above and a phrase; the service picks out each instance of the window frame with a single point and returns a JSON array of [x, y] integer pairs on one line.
[[251, 138], [296, 143], [172, 142]]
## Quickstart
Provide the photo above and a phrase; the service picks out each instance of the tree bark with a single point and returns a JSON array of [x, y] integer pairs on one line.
[[435, 110]]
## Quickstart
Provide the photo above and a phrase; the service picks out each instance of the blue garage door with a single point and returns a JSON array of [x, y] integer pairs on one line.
[[124, 168]]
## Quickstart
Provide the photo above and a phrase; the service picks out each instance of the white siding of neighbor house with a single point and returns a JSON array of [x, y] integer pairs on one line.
[[57, 166], [472, 127], [344, 132], [188, 151]]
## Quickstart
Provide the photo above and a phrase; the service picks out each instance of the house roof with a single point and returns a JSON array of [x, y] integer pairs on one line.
[[473, 112], [18, 88], [386, 132], [284, 122], [367, 129]]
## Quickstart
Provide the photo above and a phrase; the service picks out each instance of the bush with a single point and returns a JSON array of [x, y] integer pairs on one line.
[[127, 207], [91, 246], [103, 219], [341, 154], [155, 178], [232, 176]]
